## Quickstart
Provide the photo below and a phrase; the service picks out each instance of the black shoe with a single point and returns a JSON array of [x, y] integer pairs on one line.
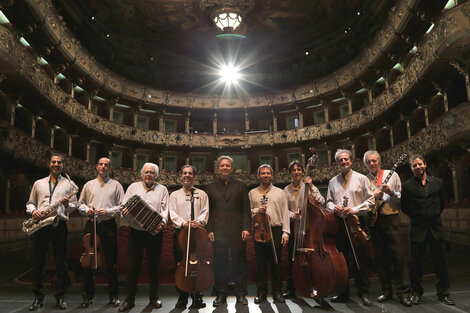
[[60, 303], [114, 302], [126, 306], [339, 299], [278, 298], [405, 300], [321, 301], [155, 303], [365, 300], [182, 302], [446, 300], [242, 300], [289, 294], [198, 303], [260, 298], [38, 302], [384, 297], [86, 302], [416, 299], [221, 299]]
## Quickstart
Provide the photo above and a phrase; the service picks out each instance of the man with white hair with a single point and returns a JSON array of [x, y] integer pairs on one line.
[[390, 261], [156, 196], [357, 189]]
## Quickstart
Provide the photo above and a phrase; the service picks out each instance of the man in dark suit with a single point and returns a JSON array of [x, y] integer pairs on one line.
[[422, 199], [228, 226]]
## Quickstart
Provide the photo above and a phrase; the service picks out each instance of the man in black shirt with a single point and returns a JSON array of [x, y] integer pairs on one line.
[[228, 225], [422, 199]]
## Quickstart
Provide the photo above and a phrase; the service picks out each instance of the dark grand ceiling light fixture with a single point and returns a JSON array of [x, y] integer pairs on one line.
[[227, 15]]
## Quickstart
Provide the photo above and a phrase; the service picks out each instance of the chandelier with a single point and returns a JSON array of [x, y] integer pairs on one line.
[[227, 15]]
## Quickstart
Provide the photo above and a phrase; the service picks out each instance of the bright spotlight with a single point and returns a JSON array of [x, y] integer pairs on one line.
[[229, 74]]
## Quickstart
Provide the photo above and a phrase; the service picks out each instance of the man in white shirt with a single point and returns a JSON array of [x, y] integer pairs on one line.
[[275, 206], [358, 190], [156, 196], [101, 199], [46, 192], [180, 215], [390, 261]]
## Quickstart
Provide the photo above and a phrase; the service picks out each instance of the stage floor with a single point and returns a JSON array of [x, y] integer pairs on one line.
[[17, 297]]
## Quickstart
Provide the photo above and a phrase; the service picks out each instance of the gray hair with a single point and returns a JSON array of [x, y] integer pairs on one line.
[[265, 166], [416, 156], [188, 165], [224, 157], [371, 152], [155, 167], [339, 151]]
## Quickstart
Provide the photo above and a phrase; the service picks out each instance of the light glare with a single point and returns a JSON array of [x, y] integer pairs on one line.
[[229, 74]]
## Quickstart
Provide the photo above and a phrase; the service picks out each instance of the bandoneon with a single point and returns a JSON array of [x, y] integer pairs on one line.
[[139, 211]]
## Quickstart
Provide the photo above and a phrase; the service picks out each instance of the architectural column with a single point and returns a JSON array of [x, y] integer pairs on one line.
[[276, 163], [248, 166], [135, 117], [327, 115], [347, 96], [301, 118], [214, 124], [88, 150], [390, 130], [247, 122], [70, 145], [426, 117], [446, 101], [353, 150], [134, 161], [302, 158], [455, 182], [161, 121], [464, 74], [186, 123], [7, 197], [13, 113], [274, 121], [408, 128], [160, 161], [330, 156], [374, 142], [51, 144], [33, 126]]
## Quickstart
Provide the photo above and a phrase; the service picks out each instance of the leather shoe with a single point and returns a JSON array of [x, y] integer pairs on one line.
[[242, 300], [384, 297], [86, 302], [126, 306], [221, 299], [155, 303], [405, 300], [416, 299], [278, 298], [182, 302], [260, 298], [198, 303], [114, 302], [289, 294], [446, 300], [365, 300], [339, 299], [60, 303], [38, 302]]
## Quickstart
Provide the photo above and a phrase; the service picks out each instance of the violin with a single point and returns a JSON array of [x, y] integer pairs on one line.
[[358, 235], [319, 268], [90, 258], [194, 273], [261, 228]]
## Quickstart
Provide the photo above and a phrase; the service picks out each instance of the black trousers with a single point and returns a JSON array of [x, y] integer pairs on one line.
[[438, 256], [360, 276], [236, 248], [391, 261], [264, 256], [108, 235], [57, 236], [290, 283], [138, 241]]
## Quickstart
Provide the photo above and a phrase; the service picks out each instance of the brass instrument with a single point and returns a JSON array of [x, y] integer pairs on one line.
[[49, 215]]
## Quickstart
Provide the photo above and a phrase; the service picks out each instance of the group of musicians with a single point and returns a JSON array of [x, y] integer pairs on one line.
[[226, 209]]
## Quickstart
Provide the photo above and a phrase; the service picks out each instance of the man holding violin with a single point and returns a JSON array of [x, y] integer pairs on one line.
[[180, 215], [292, 191], [101, 199], [271, 230], [349, 194]]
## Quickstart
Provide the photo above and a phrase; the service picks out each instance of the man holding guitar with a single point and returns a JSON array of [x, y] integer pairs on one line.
[[390, 260]]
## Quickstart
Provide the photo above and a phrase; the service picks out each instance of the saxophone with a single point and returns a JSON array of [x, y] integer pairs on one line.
[[49, 215]]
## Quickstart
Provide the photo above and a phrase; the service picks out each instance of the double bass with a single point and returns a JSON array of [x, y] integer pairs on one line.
[[319, 268], [194, 273]]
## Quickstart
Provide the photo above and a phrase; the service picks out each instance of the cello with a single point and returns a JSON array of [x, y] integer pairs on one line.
[[319, 268], [194, 273]]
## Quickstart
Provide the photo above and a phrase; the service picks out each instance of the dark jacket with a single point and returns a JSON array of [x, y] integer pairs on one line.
[[424, 206], [229, 209]]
